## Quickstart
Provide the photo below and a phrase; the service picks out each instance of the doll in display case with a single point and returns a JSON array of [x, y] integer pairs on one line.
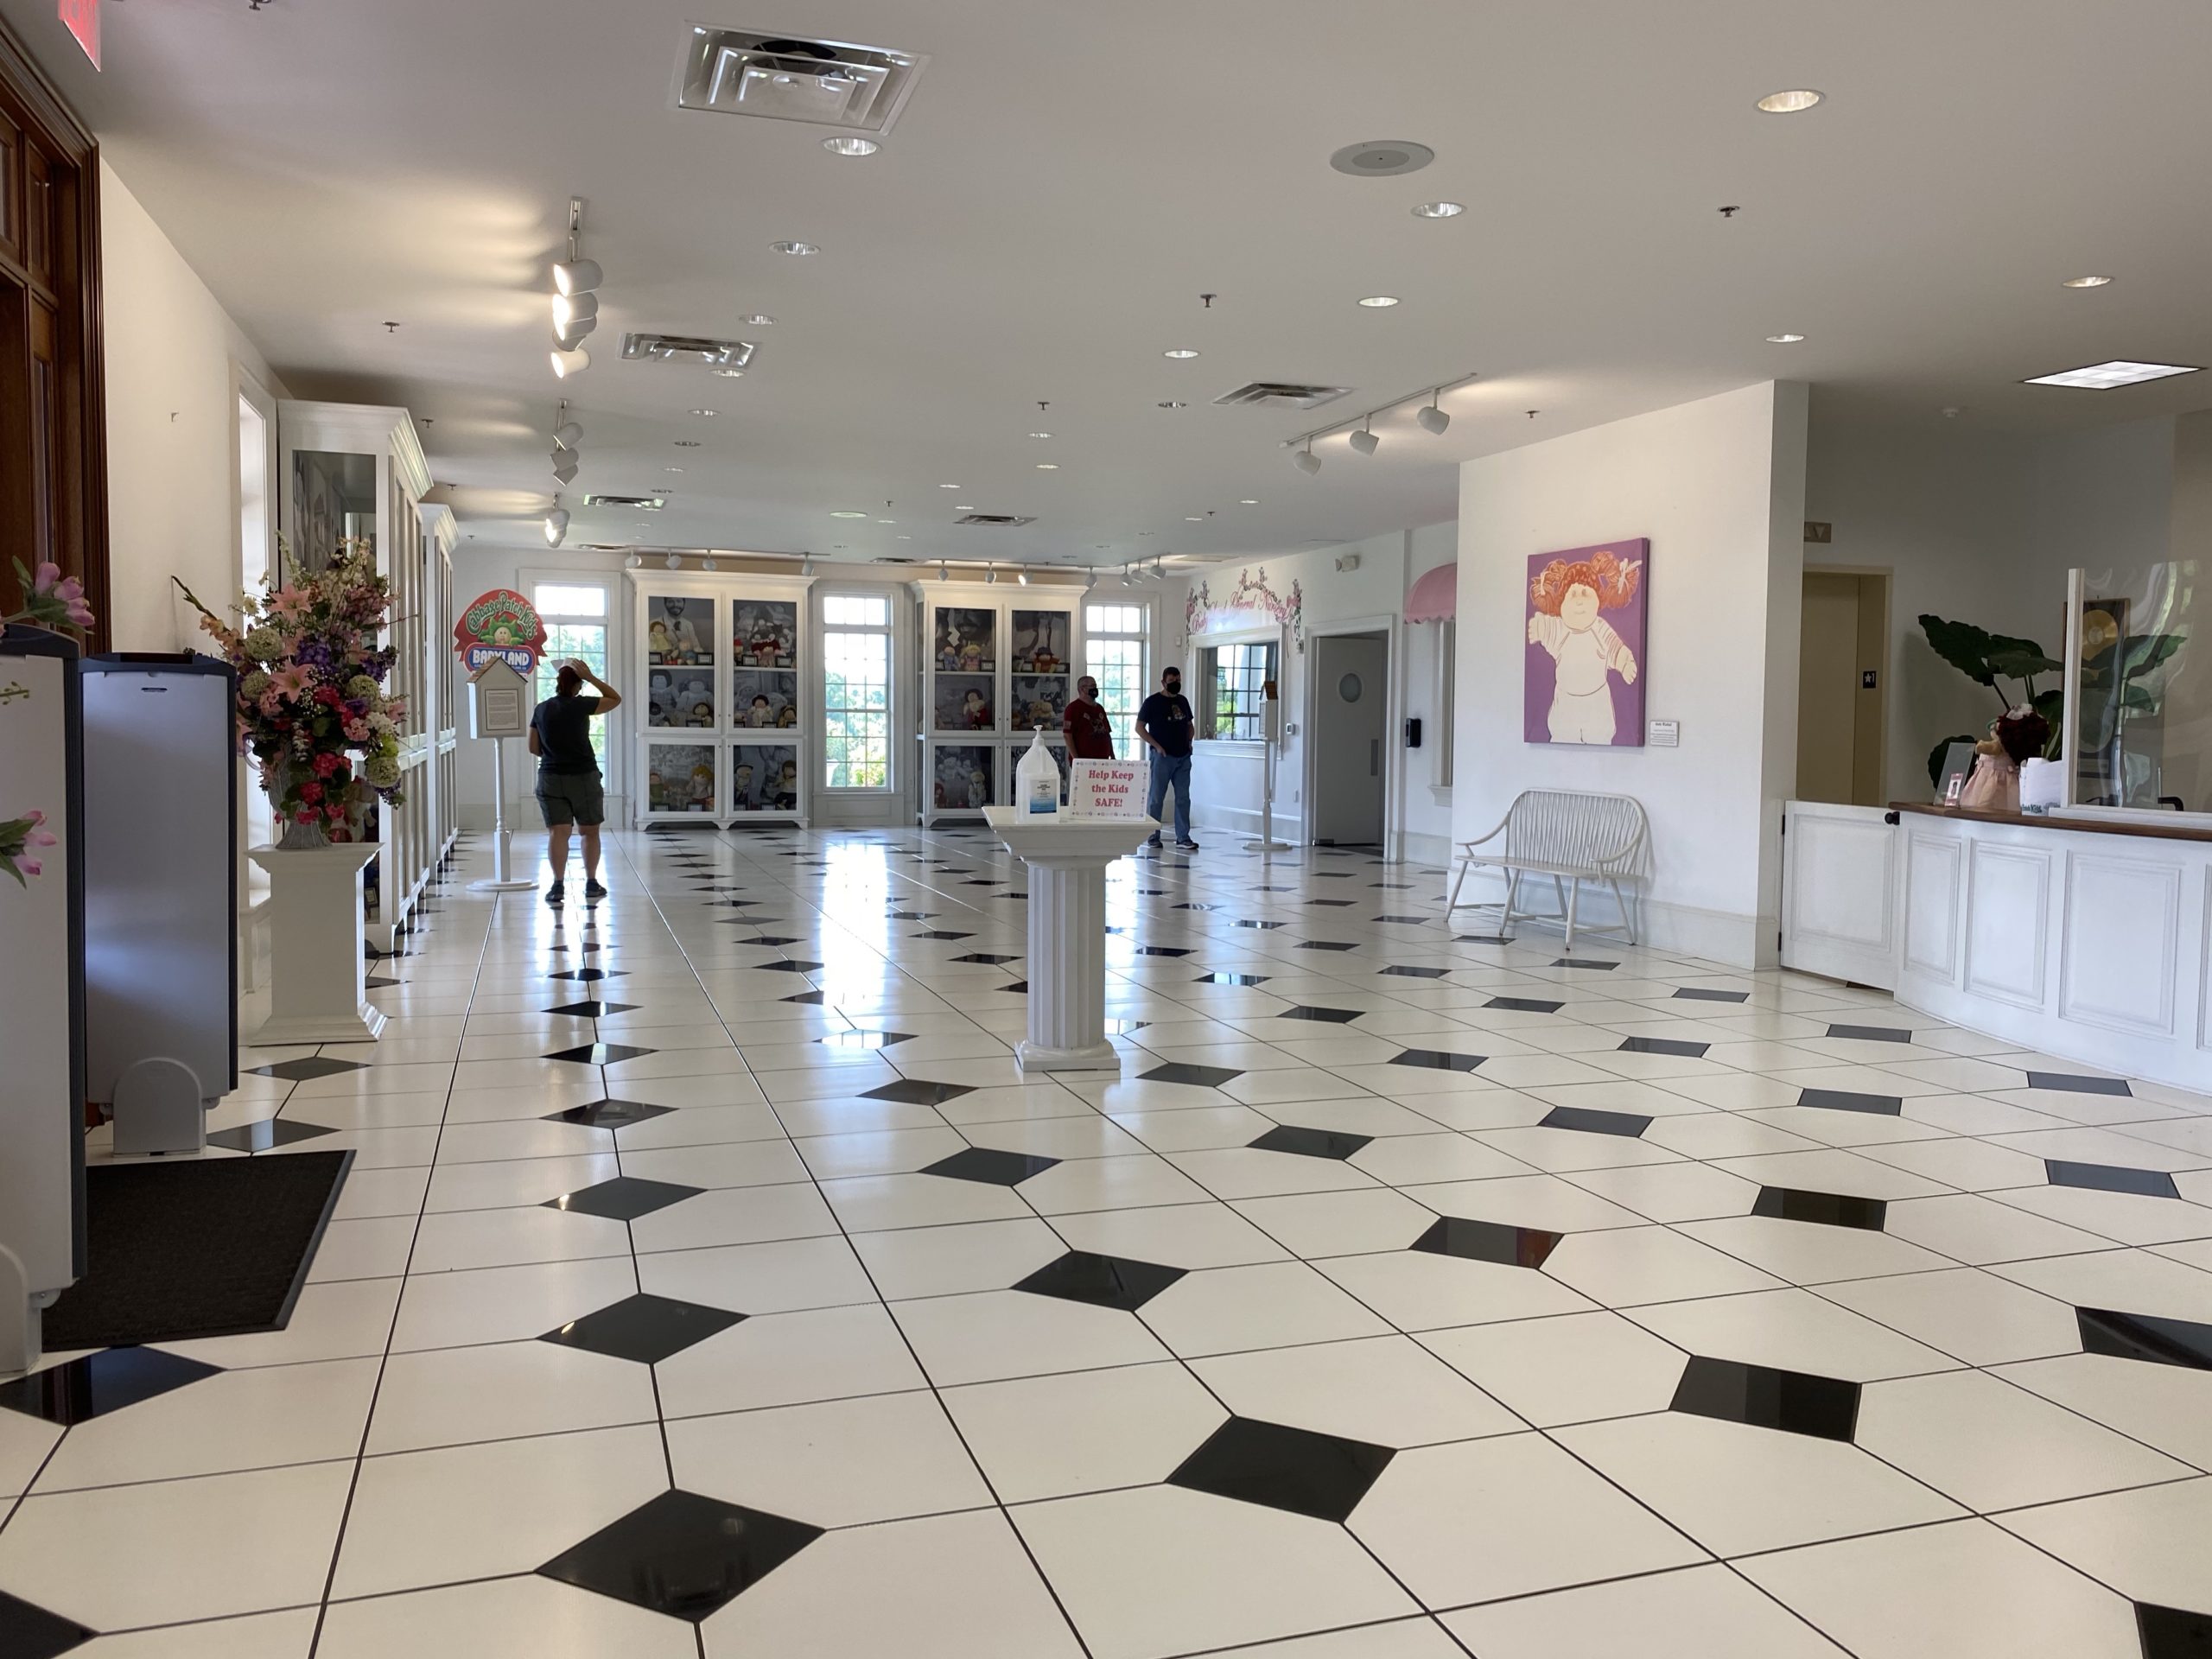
[[659, 648], [758, 713], [741, 790], [702, 788], [786, 793], [787, 715], [975, 712]]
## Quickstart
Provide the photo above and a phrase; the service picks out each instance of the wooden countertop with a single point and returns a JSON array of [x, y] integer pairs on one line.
[[2150, 830]]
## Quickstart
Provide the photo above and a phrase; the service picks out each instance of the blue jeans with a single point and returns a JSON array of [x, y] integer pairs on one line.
[[1171, 769]]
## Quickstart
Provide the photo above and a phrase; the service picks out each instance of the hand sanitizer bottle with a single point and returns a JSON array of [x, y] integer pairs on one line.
[[1037, 779]]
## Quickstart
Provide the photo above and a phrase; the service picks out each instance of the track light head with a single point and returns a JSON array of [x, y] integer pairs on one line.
[[675, 561], [1090, 581], [1365, 441], [1432, 420], [564, 466], [557, 526], [1306, 461], [570, 309], [991, 576], [709, 564], [944, 571], [806, 565], [568, 435], [570, 361], [632, 562], [1021, 576], [577, 276]]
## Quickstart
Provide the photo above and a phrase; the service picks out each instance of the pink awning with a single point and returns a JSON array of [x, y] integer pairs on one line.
[[1435, 597]]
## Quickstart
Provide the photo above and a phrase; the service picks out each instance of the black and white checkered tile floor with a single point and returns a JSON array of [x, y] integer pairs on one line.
[[710, 1283]]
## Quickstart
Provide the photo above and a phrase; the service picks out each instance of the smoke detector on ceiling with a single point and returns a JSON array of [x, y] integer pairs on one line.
[[1382, 158], [1280, 394], [779, 78], [696, 349], [1003, 520]]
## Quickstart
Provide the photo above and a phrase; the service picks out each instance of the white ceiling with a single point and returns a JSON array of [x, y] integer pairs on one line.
[[1068, 178]]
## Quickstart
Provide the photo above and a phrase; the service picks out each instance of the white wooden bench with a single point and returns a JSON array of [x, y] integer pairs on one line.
[[1571, 837]]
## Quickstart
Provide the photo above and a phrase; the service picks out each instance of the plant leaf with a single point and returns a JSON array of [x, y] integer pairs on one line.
[[2148, 650], [1961, 645]]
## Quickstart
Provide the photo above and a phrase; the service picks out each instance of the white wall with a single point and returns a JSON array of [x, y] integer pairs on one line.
[[172, 422], [1719, 487], [1428, 807]]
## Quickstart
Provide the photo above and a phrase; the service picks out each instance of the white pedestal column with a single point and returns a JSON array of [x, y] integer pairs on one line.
[[317, 937], [1067, 860]]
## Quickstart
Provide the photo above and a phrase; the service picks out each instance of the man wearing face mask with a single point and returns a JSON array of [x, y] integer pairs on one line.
[[1166, 724]]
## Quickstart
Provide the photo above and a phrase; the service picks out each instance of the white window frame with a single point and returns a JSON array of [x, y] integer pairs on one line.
[[1146, 675], [1208, 652], [616, 747], [893, 749]]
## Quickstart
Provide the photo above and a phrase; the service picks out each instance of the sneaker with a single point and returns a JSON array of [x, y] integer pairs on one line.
[[554, 895], [1152, 843], [1186, 845], [593, 891]]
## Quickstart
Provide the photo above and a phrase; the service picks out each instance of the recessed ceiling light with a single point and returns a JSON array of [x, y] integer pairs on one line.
[[1783, 339], [887, 521], [796, 250], [1040, 434], [687, 443], [1379, 302], [1048, 465], [1249, 501], [709, 413], [731, 374], [1192, 519], [1439, 210], [2085, 282], [847, 513], [851, 146], [2103, 377], [671, 469], [1790, 102], [948, 486], [758, 320], [1179, 353]]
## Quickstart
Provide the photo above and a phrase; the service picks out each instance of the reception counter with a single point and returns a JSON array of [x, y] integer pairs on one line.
[[2082, 939]]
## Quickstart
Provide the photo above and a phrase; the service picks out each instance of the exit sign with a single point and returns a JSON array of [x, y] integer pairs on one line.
[[82, 19]]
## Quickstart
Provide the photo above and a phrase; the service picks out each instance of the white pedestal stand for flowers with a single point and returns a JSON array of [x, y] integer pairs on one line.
[[1067, 860], [316, 940]]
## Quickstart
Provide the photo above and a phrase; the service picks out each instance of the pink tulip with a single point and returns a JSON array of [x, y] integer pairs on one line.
[[46, 576], [34, 816], [29, 866]]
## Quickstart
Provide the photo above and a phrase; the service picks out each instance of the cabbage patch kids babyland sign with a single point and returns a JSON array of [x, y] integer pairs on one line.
[[500, 626]]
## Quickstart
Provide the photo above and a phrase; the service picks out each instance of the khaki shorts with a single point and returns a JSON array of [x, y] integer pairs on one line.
[[571, 797]]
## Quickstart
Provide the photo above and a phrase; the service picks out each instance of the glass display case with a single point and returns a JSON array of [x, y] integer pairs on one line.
[[995, 667]]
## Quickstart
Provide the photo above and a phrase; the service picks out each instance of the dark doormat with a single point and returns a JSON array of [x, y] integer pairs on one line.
[[212, 1249]]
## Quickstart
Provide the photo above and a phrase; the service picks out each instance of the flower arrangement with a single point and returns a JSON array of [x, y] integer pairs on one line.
[[53, 601], [311, 695]]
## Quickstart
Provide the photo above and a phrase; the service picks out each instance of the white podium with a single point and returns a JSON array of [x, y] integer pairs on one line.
[[315, 937], [1067, 860]]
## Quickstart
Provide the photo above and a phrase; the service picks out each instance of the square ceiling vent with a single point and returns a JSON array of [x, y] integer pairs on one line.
[[1280, 394], [997, 520], [689, 348], [642, 503], [789, 77]]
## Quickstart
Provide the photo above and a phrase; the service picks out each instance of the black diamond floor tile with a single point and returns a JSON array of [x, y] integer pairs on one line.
[[1328, 944], [2144, 1337], [1436, 1059], [1871, 1033], [1403, 972], [1413, 920], [267, 1132], [1198, 1077], [593, 1010], [1334, 904], [1230, 979], [379, 982], [1480, 938], [1487, 1241], [1695, 994], [776, 940], [1293, 1469], [602, 1053], [942, 933], [681, 1554], [1524, 1004], [1186, 905], [2172, 1632], [1326, 1016], [1823, 1209], [1164, 951], [910, 915], [1798, 1402], [985, 958], [30, 1632], [1020, 988], [2111, 1178], [1101, 1280], [812, 997], [646, 1329], [1310, 1143], [1663, 1045], [93, 1385], [1590, 1121], [587, 974], [313, 1065], [608, 1114], [624, 1197], [1844, 1100], [792, 967], [918, 1091], [1583, 962], [989, 1166], [2079, 1085]]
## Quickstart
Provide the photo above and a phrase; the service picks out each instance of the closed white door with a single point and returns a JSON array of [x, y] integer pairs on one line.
[[1840, 898], [1351, 707]]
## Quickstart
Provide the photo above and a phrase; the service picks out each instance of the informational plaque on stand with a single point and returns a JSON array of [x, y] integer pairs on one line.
[[1106, 789]]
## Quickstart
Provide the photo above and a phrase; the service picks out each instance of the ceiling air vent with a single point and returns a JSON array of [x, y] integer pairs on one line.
[[822, 83], [689, 349], [888, 558], [645, 502], [1003, 520], [1280, 394]]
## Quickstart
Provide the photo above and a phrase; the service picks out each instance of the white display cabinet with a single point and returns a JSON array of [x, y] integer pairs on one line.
[[356, 471], [994, 665], [717, 681]]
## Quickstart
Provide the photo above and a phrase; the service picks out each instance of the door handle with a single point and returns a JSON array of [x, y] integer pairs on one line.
[[1892, 817], [1374, 757]]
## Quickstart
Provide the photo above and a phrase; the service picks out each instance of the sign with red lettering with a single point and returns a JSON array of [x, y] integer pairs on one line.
[[1105, 789], [500, 626], [82, 19]]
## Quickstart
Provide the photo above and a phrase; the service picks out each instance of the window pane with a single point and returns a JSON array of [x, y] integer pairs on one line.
[[562, 599], [857, 611], [1114, 619], [857, 680]]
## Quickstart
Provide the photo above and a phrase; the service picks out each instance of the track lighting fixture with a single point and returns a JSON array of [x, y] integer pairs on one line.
[[1090, 581], [944, 571], [568, 435], [1021, 576], [574, 314], [1431, 419], [1306, 460], [707, 564], [1434, 420], [1364, 440], [675, 561], [574, 275], [564, 464], [568, 362], [575, 305], [806, 565], [556, 525], [991, 576], [632, 562]]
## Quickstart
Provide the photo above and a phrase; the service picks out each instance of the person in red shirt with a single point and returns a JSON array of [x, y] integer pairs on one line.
[[1090, 734]]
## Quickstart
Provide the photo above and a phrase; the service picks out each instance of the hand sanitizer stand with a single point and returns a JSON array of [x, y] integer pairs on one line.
[[499, 708], [1271, 736]]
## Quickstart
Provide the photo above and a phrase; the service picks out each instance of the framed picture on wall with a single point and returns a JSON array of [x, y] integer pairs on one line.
[[1583, 678]]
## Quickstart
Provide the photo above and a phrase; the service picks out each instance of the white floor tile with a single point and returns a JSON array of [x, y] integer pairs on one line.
[[838, 1464], [454, 1396], [1271, 1305], [1699, 1612], [1041, 1437], [523, 1618], [1383, 1390]]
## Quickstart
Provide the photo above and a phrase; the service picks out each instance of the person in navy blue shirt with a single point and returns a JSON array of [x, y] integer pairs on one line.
[[1165, 724]]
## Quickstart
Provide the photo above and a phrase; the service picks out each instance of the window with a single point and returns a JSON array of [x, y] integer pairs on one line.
[[575, 614], [258, 821], [1447, 671], [1113, 654], [1236, 677], [855, 691]]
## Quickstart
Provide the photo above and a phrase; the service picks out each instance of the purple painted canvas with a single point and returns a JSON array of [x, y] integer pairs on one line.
[[1584, 678]]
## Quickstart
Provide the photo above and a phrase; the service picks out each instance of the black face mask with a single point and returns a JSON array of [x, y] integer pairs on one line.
[[1172, 686]]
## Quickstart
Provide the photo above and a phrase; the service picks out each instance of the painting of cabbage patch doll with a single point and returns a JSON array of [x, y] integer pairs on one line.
[[1585, 667]]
